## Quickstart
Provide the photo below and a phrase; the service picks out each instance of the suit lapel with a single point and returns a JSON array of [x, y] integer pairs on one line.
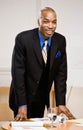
[[36, 47], [54, 48]]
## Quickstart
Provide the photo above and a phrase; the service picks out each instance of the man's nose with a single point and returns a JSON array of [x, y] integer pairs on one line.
[[50, 25]]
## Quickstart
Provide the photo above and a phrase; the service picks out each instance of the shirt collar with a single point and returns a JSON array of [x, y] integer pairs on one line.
[[42, 40]]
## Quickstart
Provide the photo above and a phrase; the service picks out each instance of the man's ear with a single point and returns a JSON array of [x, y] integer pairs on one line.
[[38, 22]]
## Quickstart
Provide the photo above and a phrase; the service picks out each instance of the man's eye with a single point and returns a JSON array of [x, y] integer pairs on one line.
[[45, 21], [54, 22]]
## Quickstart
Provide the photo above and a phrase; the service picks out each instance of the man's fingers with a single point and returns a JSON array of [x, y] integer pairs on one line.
[[66, 111], [20, 117], [17, 118], [69, 115]]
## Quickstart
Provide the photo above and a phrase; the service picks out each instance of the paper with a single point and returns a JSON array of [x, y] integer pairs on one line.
[[25, 124], [28, 128], [79, 124], [77, 121], [17, 128], [39, 119]]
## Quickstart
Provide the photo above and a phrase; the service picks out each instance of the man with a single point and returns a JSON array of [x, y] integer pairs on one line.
[[32, 77]]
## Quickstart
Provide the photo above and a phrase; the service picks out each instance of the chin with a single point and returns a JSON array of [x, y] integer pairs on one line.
[[48, 36]]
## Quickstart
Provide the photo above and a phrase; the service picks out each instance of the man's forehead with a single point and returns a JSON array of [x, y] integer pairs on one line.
[[48, 13], [49, 16]]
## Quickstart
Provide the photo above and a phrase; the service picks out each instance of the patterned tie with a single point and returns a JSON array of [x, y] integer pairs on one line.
[[44, 51]]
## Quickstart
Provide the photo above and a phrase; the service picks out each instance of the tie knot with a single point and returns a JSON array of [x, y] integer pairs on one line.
[[46, 42]]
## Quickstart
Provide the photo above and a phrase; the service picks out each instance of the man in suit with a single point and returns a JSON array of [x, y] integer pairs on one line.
[[32, 78]]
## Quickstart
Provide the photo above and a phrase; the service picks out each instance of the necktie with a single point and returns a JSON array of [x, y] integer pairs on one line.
[[44, 51]]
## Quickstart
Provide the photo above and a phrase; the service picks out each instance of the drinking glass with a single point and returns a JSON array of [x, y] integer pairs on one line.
[[51, 114]]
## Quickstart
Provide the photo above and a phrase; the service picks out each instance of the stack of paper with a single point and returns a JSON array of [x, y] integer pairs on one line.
[[24, 125], [29, 128], [77, 121]]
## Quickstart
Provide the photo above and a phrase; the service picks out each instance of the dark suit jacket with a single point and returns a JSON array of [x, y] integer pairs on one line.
[[27, 69]]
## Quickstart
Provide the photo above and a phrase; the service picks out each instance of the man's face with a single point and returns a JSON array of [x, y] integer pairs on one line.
[[47, 23]]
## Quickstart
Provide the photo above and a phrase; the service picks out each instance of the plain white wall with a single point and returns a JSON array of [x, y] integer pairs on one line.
[[20, 15], [15, 16]]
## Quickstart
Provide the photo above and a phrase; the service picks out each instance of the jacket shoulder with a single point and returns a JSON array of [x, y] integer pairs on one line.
[[27, 33], [56, 34]]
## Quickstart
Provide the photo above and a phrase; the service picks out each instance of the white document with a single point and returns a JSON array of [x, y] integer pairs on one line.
[[29, 128], [25, 124], [79, 124], [80, 121]]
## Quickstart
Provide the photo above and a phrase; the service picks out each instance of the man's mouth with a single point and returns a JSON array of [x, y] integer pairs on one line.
[[49, 32]]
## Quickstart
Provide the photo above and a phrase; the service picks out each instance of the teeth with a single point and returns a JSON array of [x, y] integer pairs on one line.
[[49, 32]]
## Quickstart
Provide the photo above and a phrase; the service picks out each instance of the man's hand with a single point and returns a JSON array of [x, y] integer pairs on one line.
[[22, 114], [66, 111]]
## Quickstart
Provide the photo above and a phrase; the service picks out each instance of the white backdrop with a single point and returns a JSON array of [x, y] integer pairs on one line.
[[20, 15]]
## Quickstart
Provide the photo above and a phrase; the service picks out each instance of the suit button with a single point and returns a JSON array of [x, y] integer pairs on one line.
[[37, 82]]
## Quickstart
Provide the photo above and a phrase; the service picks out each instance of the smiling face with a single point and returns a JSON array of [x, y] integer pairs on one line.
[[47, 22]]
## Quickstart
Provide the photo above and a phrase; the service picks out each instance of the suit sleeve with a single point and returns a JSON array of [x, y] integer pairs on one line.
[[18, 71], [61, 77]]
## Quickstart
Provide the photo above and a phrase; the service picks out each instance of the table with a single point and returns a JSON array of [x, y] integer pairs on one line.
[[65, 126]]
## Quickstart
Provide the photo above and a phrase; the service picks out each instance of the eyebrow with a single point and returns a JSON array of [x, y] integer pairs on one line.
[[48, 19]]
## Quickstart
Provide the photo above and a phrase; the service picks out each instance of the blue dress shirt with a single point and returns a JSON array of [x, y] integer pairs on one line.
[[42, 41]]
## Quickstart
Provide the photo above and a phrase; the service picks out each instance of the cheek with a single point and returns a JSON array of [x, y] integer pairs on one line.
[[43, 27], [55, 26]]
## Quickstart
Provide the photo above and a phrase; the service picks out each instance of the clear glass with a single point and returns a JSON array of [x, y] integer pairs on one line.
[[51, 114], [62, 118]]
